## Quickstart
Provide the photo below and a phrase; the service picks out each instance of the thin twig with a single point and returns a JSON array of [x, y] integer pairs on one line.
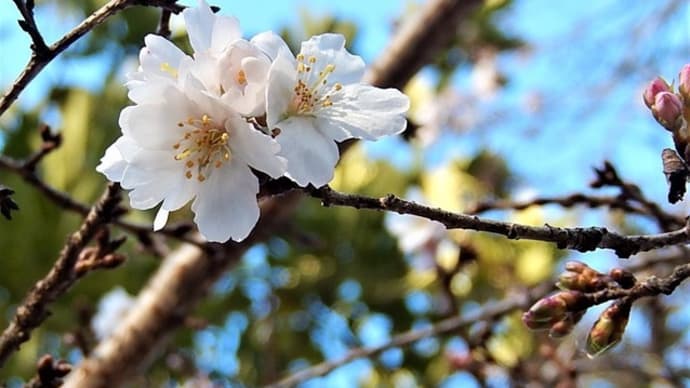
[[42, 55], [28, 24], [581, 239], [68, 203], [608, 176], [34, 309]]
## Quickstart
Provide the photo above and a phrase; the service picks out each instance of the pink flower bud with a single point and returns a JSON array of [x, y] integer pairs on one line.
[[668, 110], [655, 87], [684, 83]]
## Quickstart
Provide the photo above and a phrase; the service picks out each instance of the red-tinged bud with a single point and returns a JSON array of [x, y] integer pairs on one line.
[[655, 87], [684, 83], [553, 308], [565, 326], [608, 330], [668, 110]]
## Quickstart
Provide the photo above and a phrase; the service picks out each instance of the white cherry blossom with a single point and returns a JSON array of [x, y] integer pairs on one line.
[[316, 99], [183, 141]]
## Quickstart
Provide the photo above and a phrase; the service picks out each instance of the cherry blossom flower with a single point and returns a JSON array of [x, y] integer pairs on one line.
[[316, 99], [183, 141]]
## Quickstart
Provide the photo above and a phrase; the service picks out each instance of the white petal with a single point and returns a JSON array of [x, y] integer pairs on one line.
[[154, 126], [270, 43], [282, 79], [365, 112], [208, 31], [151, 186], [330, 49], [311, 156], [160, 57], [147, 91], [226, 205], [255, 148], [161, 219], [113, 163]]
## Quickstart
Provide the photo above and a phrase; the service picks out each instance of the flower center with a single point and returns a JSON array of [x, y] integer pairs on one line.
[[241, 78], [204, 145], [312, 91]]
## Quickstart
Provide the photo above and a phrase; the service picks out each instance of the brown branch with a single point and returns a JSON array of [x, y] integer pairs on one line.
[[565, 201], [580, 239], [34, 309], [653, 286], [28, 24], [487, 313], [42, 54]]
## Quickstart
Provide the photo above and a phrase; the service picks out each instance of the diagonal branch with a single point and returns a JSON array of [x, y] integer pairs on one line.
[[34, 309], [581, 239], [43, 54]]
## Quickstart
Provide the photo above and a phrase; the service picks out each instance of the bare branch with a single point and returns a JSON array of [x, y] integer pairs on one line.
[[34, 309], [43, 54], [26, 170], [581, 239], [28, 24]]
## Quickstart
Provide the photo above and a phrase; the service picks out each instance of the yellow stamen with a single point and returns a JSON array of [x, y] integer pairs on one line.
[[241, 78], [165, 66]]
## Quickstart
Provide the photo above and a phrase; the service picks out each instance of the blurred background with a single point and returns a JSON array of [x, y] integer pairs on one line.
[[531, 95]]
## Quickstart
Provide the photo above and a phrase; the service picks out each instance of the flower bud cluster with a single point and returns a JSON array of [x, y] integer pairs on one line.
[[560, 312], [672, 110], [666, 106]]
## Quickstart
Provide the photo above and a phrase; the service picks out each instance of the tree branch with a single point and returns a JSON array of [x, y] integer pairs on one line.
[[580, 239], [42, 54], [34, 309], [26, 169]]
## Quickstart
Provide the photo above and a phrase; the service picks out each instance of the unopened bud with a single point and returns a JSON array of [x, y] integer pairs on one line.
[[623, 277], [580, 277], [684, 83], [563, 327], [608, 329], [553, 308], [655, 87], [668, 110]]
